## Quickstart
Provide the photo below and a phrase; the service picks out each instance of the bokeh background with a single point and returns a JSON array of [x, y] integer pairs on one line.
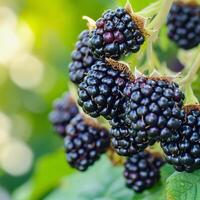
[[36, 38]]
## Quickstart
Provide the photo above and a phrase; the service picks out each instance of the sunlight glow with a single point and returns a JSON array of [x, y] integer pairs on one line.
[[26, 71], [16, 158]]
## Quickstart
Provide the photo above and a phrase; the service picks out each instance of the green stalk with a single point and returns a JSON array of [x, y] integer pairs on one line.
[[162, 15], [192, 72], [151, 10]]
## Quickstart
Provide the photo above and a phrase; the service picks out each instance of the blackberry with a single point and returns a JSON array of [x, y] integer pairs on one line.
[[184, 24], [182, 149], [82, 59], [142, 171], [122, 140], [101, 91], [64, 109], [84, 142], [153, 109], [116, 34]]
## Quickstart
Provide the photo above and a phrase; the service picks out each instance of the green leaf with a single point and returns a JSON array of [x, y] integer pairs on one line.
[[183, 186], [100, 182], [23, 192], [49, 171]]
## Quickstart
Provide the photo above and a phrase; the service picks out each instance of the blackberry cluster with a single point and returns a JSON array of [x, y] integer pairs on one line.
[[82, 59], [142, 171], [84, 142], [121, 139], [116, 34], [184, 24], [101, 91], [64, 109], [153, 109], [183, 148]]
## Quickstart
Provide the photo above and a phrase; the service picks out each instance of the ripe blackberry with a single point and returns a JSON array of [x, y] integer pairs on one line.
[[122, 140], [64, 109], [82, 59], [153, 109], [84, 142], [184, 24], [101, 91], [116, 34], [142, 171], [182, 149]]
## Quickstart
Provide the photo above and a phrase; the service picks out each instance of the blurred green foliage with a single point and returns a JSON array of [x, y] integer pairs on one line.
[[55, 26]]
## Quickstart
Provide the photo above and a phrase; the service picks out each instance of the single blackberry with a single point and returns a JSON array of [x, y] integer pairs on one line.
[[64, 109], [82, 59], [84, 142], [153, 109], [182, 149], [142, 171], [101, 91], [122, 140], [116, 34], [184, 24]]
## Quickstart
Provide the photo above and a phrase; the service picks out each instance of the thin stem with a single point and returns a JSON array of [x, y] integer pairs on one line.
[[190, 96], [151, 10], [154, 28], [161, 17], [149, 54], [193, 70]]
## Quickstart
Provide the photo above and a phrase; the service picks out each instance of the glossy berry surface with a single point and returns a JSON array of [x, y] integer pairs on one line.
[[153, 109], [116, 34], [64, 109], [142, 171], [82, 59], [101, 92], [84, 143], [121, 139], [184, 25], [183, 148]]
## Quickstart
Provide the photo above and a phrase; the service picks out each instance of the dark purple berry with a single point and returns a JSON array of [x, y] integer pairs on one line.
[[142, 171], [85, 142], [120, 33], [153, 109], [101, 92], [183, 24], [82, 59], [64, 110], [183, 151]]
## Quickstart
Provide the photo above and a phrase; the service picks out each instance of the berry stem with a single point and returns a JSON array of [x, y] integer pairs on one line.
[[186, 83], [154, 28], [151, 10], [149, 53], [161, 17], [193, 70], [190, 97]]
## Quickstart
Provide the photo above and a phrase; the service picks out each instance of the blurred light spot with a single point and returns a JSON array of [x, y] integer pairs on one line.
[[16, 158], [4, 138], [21, 127], [5, 122], [4, 195], [9, 41], [9, 44], [26, 36], [26, 71], [7, 17]]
